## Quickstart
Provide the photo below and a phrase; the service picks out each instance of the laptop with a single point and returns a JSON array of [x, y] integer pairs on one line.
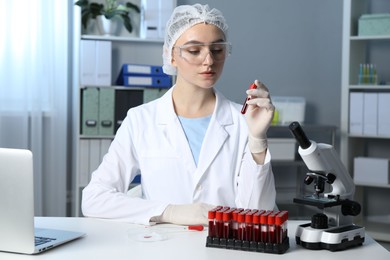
[[17, 231]]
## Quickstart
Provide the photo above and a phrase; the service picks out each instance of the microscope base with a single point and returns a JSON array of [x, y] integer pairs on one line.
[[333, 239]]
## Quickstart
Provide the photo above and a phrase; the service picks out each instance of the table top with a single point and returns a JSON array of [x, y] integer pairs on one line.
[[107, 239]]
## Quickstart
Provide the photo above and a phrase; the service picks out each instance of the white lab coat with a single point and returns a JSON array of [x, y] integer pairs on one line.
[[151, 142]]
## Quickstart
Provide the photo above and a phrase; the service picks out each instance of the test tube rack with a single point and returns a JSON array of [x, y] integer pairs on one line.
[[248, 230]]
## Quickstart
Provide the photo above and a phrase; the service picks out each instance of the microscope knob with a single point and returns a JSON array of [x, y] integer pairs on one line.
[[308, 180], [350, 208], [330, 178], [319, 221]]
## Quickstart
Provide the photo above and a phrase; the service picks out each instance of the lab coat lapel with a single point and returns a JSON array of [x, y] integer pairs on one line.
[[216, 135], [169, 123]]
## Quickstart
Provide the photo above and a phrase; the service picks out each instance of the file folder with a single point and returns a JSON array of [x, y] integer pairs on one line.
[[95, 63], [141, 69], [370, 114], [356, 113], [151, 94], [90, 111], [383, 114], [103, 63], [106, 111], [124, 100], [87, 62], [147, 81]]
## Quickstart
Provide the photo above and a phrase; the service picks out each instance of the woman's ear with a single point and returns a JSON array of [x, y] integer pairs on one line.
[[173, 59]]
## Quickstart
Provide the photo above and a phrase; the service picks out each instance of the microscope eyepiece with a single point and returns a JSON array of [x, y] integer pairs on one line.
[[299, 135]]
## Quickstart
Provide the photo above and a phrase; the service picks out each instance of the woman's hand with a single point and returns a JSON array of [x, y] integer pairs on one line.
[[259, 117]]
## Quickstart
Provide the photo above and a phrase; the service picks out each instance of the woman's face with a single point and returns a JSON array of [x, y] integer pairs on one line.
[[199, 55]]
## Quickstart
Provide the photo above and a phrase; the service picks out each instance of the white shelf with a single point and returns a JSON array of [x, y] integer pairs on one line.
[[120, 39], [368, 136], [373, 185], [370, 87], [370, 38]]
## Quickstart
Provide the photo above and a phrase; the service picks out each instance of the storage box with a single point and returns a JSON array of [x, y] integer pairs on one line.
[[374, 24], [282, 148], [369, 170], [289, 109]]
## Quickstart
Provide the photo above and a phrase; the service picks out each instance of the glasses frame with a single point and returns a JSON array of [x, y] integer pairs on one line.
[[183, 47]]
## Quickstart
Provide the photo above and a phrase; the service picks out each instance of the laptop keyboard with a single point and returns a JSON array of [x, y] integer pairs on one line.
[[43, 240]]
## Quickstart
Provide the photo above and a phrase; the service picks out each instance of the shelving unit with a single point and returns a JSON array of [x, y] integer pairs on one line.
[[125, 48], [375, 216]]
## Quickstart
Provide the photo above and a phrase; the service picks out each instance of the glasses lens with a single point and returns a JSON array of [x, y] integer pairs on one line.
[[196, 53]]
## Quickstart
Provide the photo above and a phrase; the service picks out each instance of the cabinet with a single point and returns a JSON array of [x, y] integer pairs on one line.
[[88, 148], [356, 50]]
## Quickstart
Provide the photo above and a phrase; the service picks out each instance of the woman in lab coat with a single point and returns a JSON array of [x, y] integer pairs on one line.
[[192, 147]]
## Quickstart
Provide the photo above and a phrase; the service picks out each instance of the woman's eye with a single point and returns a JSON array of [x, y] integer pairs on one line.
[[216, 50], [193, 51]]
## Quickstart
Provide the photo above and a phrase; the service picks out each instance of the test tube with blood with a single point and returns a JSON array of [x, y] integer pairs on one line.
[[271, 227], [241, 224], [245, 105], [281, 227], [264, 226], [249, 225], [234, 223], [227, 225], [211, 218], [219, 222], [256, 225]]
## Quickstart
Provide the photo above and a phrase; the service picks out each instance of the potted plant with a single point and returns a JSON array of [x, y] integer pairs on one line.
[[111, 9]]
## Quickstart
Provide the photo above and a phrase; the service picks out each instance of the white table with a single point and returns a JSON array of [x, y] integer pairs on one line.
[[115, 240]]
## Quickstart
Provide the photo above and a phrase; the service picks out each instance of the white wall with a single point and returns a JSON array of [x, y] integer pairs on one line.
[[294, 47]]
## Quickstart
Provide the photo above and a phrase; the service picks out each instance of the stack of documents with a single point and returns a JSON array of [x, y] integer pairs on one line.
[[139, 75]]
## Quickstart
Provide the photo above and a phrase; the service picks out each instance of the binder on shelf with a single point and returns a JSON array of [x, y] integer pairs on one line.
[[153, 93], [142, 75], [103, 63], [106, 111], [142, 69], [95, 63], [383, 114], [147, 81], [87, 62], [90, 111], [370, 114], [124, 100], [356, 113]]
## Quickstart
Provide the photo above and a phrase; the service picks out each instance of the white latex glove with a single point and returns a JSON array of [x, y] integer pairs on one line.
[[187, 214], [259, 117]]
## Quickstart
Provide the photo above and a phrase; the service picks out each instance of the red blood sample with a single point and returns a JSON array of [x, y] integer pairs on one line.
[[211, 218]]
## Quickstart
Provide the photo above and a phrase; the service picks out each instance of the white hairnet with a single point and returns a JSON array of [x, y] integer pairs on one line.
[[183, 18]]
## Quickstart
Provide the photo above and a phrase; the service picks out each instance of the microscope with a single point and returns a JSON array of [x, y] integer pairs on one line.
[[333, 229]]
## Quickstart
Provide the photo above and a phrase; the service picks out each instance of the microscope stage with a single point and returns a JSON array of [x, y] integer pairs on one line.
[[319, 202]]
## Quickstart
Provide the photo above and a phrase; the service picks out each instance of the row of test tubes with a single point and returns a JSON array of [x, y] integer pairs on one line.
[[368, 74], [264, 226]]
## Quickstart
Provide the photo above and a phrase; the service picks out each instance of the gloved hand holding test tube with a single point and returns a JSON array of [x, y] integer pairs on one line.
[[245, 105], [259, 116]]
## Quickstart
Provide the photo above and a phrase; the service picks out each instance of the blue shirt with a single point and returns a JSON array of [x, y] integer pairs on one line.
[[195, 130]]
